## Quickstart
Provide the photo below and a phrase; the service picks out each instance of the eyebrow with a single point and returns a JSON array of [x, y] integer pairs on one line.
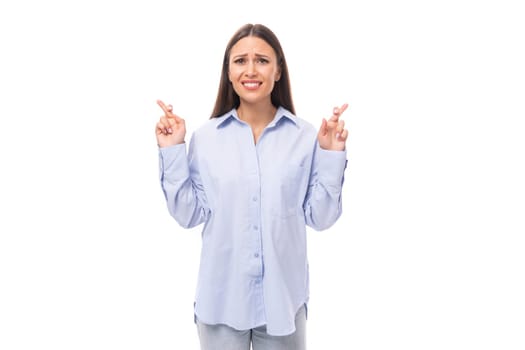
[[256, 55]]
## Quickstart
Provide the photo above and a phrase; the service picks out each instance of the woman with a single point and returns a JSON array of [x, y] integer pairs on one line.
[[255, 175]]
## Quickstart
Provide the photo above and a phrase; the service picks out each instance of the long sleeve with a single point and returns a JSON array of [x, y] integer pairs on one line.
[[253, 199], [182, 186], [323, 206]]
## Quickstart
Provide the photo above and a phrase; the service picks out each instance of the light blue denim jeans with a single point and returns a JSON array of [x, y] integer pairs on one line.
[[222, 337]]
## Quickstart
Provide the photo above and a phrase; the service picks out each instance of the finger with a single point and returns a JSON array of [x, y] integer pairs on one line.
[[168, 110], [180, 121], [339, 110], [344, 135], [165, 121], [165, 108], [336, 113], [167, 124], [340, 126], [158, 128], [335, 116], [323, 128], [161, 129]]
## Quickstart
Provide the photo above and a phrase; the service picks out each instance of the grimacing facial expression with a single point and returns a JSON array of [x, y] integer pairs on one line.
[[253, 69]]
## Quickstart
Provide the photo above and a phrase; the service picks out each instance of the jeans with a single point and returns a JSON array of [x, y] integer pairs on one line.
[[222, 337]]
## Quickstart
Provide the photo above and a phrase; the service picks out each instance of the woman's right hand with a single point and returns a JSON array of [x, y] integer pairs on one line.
[[170, 129]]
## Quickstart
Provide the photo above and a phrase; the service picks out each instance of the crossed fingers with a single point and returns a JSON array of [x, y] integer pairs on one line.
[[167, 109], [338, 111], [168, 120], [341, 133]]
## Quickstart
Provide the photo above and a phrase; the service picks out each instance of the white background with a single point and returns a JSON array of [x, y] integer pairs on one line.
[[429, 253]]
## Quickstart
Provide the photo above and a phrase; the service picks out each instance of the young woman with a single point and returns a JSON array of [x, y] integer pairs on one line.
[[256, 175]]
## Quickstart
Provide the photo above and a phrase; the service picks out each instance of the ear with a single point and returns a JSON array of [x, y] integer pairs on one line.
[[278, 75]]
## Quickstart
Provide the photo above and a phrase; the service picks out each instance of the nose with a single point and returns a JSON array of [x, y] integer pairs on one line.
[[250, 69]]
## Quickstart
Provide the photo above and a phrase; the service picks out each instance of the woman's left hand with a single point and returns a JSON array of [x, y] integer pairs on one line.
[[332, 133]]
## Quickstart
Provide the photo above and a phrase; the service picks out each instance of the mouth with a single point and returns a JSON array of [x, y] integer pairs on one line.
[[251, 84]]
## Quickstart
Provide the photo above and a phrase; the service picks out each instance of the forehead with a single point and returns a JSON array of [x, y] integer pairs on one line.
[[252, 45]]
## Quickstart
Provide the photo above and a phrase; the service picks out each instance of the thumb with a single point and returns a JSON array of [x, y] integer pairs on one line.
[[323, 129]]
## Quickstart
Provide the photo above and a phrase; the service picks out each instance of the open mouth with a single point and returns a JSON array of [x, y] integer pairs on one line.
[[251, 85]]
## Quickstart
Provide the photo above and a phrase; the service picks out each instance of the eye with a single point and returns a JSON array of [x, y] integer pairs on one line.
[[239, 60], [262, 60]]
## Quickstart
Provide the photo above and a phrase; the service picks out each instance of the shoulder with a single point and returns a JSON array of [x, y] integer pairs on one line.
[[210, 126], [302, 124], [306, 125]]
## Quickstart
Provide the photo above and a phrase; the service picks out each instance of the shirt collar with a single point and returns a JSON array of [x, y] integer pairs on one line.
[[279, 115]]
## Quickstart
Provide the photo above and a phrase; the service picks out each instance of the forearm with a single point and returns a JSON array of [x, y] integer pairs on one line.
[[323, 204], [184, 197]]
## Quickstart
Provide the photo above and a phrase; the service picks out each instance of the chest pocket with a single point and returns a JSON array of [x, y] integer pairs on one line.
[[289, 190]]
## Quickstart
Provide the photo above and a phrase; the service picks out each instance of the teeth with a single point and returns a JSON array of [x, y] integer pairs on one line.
[[251, 85]]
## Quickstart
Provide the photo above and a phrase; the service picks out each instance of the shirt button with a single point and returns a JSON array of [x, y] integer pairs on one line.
[[254, 199], [256, 255], [255, 227]]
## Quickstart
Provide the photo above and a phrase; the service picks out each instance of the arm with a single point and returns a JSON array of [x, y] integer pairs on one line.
[[182, 186], [179, 174], [323, 206]]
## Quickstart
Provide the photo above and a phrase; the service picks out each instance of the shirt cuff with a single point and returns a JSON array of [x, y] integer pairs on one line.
[[173, 163], [331, 166]]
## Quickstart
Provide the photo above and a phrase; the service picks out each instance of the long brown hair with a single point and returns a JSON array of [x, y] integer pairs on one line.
[[281, 95]]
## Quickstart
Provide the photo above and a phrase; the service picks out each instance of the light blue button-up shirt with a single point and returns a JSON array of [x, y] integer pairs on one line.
[[255, 201]]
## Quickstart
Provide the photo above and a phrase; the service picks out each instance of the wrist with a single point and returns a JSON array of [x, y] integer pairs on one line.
[[169, 144]]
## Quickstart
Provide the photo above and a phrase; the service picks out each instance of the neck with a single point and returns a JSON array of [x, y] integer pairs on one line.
[[256, 115]]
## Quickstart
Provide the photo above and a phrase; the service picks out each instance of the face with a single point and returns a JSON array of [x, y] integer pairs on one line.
[[253, 69]]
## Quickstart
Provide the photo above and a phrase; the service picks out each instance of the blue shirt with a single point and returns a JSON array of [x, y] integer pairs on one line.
[[255, 201]]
